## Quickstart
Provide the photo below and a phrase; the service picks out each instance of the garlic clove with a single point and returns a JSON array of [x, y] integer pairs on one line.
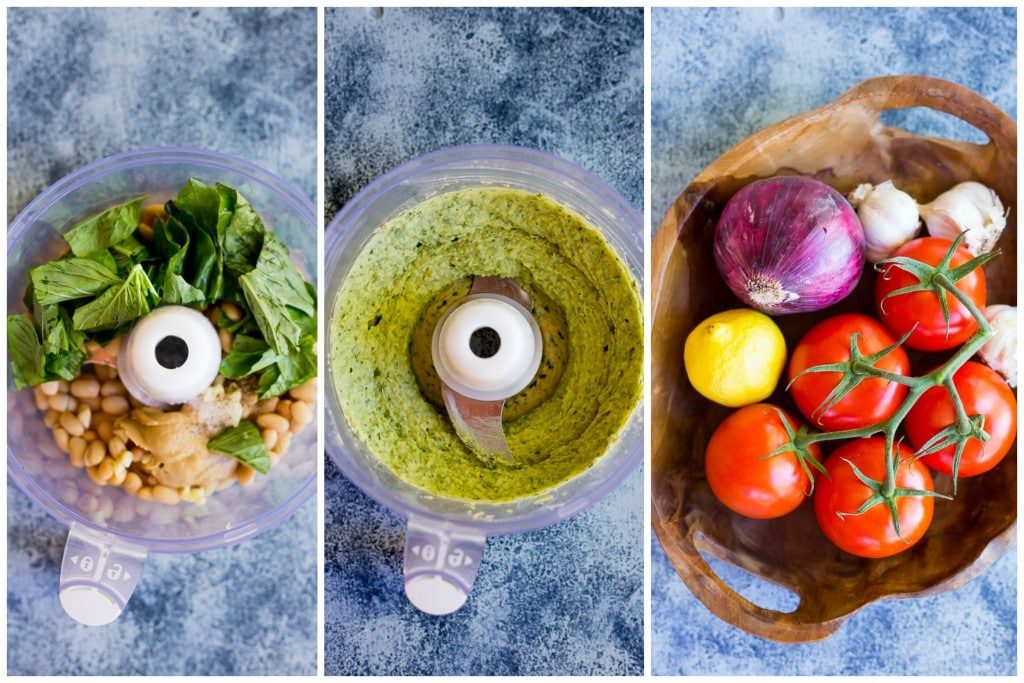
[[1000, 351], [968, 207], [889, 217]]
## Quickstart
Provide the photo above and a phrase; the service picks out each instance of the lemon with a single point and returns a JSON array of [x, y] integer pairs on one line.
[[736, 357]]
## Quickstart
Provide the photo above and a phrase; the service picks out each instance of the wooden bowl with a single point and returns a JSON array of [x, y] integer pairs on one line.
[[842, 143]]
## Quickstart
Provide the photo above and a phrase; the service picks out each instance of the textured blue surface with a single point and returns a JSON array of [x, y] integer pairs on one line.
[[563, 600], [84, 84], [717, 77]]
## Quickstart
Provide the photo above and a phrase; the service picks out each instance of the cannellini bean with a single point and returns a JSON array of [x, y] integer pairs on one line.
[[115, 405], [90, 503], [49, 388], [105, 470], [284, 408], [137, 454], [273, 421], [71, 424], [119, 475], [305, 391], [145, 493], [124, 513], [244, 475], [85, 416], [269, 438], [60, 436], [59, 402], [124, 460], [50, 418], [105, 429], [76, 450], [41, 401], [166, 495], [267, 406], [116, 446], [85, 387], [233, 312], [281, 447], [132, 482], [302, 415], [95, 454], [94, 474], [226, 340], [90, 435], [112, 387]]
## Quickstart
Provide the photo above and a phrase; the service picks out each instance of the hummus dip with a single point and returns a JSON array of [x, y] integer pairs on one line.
[[415, 266]]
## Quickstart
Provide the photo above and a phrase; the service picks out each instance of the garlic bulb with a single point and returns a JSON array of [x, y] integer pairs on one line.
[[1000, 351], [889, 217], [968, 207]]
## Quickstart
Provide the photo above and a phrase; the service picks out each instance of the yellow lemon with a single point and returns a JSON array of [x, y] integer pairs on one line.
[[736, 357]]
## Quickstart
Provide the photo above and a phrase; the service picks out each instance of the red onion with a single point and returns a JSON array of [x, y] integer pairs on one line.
[[789, 245]]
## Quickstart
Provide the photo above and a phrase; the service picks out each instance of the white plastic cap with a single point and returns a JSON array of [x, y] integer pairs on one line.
[[434, 594], [89, 605], [144, 372], [488, 347]]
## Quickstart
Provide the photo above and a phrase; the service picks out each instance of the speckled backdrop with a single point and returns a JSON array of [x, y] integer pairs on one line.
[[567, 599], [717, 77], [84, 84]]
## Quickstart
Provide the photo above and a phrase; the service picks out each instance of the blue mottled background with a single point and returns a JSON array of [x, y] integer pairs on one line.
[[84, 84], [719, 75], [563, 600]]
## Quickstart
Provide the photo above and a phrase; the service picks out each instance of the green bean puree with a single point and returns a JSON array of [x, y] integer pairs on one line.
[[420, 262]]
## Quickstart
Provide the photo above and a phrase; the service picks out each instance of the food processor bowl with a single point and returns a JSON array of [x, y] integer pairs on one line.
[[445, 537], [111, 532]]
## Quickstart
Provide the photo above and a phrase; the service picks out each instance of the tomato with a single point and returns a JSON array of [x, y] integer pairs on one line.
[[983, 392], [871, 534], [900, 313], [874, 400], [740, 475]]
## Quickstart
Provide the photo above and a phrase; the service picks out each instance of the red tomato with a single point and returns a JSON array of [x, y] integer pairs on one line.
[[874, 400], [983, 392], [871, 534], [742, 477], [900, 313]]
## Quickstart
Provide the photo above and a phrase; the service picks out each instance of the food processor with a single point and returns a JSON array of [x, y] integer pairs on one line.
[[445, 537], [110, 531]]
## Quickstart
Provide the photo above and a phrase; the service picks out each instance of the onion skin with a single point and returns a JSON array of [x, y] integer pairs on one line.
[[789, 244]]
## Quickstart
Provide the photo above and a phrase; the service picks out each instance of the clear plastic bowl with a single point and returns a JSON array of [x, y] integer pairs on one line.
[[441, 525], [106, 518]]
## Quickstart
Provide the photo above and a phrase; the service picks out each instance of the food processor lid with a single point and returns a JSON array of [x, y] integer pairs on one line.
[[486, 348]]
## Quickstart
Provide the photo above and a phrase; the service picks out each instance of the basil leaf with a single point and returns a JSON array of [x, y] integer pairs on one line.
[[25, 351], [69, 279], [270, 289], [64, 365], [119, 305], [105, 259], [105, 229], [243, 236], [171, 237], [248, 355], [201, 203], [243, 443], [288, 372], [128, 252]]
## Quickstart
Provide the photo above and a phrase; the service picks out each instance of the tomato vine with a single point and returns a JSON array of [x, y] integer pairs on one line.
[[941, 280]]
